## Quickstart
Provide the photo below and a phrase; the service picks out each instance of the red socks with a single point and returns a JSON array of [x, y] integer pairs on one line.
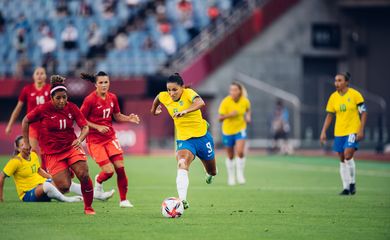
[[87, 190], [103, 176], [122, 182]]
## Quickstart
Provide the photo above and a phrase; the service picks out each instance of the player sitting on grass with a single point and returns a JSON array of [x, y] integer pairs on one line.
[[33, 184]]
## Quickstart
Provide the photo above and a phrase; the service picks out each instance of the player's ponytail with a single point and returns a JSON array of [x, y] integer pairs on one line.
[[57, 84], [242, 88], [92, 78]]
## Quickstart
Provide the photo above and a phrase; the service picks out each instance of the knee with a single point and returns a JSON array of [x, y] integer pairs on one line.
[[348, 156], [83, 175], [240, 154], [63, 187], [182, 164]]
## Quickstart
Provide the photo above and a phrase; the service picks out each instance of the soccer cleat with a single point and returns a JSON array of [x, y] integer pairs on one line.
[[345, 192], [185, 204], [209, 178], [352, 188], [125, 204], [89, 211]]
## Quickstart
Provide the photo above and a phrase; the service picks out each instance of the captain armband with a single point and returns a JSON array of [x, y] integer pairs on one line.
[[362, 108]]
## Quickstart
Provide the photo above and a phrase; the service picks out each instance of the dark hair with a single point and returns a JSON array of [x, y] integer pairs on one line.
[[16, 144], [176, 78], [56, 81], [92, 78], [346, 75]]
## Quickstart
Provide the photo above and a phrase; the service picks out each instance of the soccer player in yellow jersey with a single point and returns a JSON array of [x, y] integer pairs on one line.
[[32, 182], [234, 113], [348, 106], [193, 138]]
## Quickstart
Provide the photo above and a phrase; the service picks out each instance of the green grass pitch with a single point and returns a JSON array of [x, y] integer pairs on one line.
[[284, 198]]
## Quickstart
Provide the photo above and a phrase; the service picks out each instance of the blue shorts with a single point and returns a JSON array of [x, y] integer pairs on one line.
[[341, 143], [230, 140], [202, 147], [30, 196]]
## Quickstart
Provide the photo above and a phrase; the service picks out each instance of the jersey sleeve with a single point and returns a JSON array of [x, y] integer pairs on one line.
[[358, 98], [85, 108], [79, 117], [163, 97], [222, 108], [116, 104], [330, 105], [191, 94], [11, 167], [35, 115], [23, 95]]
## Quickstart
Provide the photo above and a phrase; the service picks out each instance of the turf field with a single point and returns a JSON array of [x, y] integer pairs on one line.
[[285, 198]]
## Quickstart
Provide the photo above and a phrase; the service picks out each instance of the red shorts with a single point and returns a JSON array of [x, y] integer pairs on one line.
[[105, 153], [33, 131], [58, 162]]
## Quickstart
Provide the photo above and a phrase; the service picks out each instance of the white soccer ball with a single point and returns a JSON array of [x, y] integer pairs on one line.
[[172, 208]]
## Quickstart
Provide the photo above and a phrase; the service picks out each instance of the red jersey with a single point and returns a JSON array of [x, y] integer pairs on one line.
[[34, 97], [100, 111], [56, 126]]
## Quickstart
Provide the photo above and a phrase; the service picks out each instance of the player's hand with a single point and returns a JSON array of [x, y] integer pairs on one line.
[[76, 143], [248, 118], [103, 129], [323, 138], [233, 114], [134, 118], [8, 130], [360, 136], [180, 114], [158, 110]]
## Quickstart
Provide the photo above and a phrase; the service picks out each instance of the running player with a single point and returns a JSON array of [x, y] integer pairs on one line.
[[193, 139], [98, 108], [32, 95], [348, 106], [234, 113], [33, 184], [60, 146]]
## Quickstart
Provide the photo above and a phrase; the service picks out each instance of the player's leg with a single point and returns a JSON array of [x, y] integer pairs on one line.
[[338, 146], [240, 162], [80, 168], [122, 180], [351, 167], [230, 161], [184, 159], [46, 191], [62, 180], [99, 153]]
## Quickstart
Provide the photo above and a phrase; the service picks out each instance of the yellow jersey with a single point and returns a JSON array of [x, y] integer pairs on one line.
[[25, 173], [235, 124], [345, 107], [190, 125]]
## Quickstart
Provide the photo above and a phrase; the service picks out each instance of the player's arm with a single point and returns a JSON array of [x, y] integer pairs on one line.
[[83, 134], [363, 119], [43, 173], [15, 114], [197, 104], [2, 178], [101, 128], [25, 133], [126, 118], [327, 122], [156, 106], [248, 116], [228, 115]]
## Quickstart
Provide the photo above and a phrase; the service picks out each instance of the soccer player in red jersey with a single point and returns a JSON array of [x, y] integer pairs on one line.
[[32, 95], [98, 108], [60, 146]]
